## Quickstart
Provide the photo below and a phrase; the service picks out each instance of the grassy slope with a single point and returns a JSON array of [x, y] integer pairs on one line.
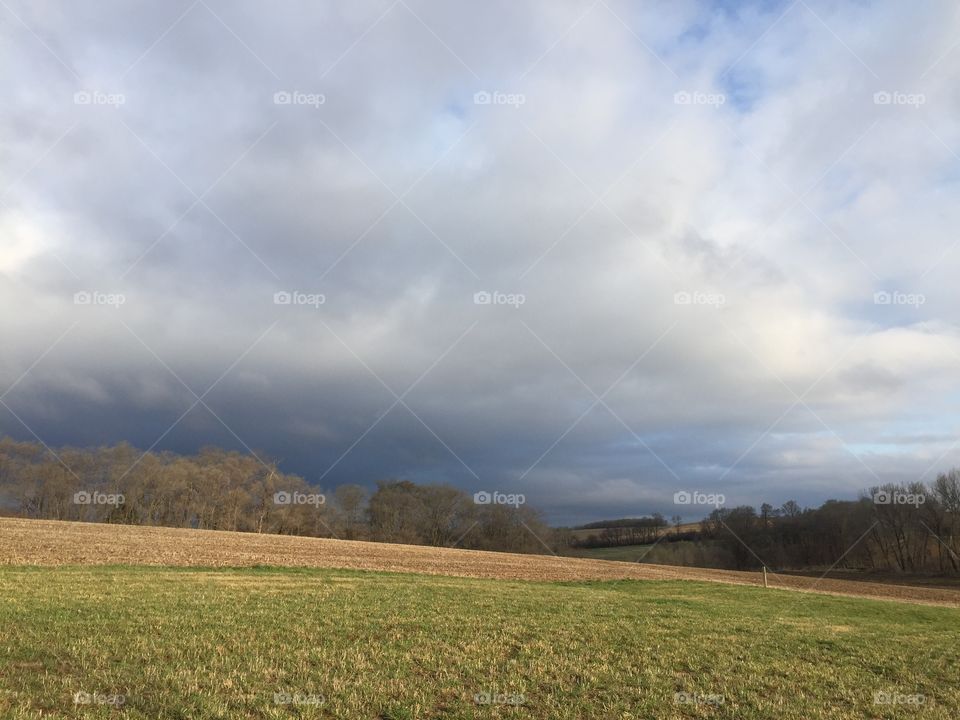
[[625, 553], [186, 643]]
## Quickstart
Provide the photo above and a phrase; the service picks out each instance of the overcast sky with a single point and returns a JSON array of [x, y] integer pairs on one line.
[[719, 241]]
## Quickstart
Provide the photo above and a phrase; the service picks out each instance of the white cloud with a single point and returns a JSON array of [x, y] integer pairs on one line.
[[599, 198]]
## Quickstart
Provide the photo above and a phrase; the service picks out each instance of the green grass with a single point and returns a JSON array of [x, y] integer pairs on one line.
[[625, 553], [197, 644]]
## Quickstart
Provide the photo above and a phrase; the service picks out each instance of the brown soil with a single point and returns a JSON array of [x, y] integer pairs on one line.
[[51, 542]]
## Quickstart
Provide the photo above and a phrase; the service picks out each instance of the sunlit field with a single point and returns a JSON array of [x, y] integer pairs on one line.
[[269, 643]]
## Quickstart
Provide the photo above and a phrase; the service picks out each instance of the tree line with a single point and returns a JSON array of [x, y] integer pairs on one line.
[[615, 533], [900, 528], [224, 490], [905, 528]]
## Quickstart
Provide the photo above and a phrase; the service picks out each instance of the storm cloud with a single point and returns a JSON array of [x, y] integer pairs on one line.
[[591, 252]]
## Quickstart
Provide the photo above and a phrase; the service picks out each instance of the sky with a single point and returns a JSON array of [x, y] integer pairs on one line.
[[597, 253]]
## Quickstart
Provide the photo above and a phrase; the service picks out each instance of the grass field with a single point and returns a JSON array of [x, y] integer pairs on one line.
[[582, 533], [622, 553], [221, 643]]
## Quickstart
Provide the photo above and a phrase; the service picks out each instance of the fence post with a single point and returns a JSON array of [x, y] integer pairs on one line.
[[765, 576]]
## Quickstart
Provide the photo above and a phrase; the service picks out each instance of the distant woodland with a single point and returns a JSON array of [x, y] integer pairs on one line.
[[911, 528], [907, 528], [220, 490]]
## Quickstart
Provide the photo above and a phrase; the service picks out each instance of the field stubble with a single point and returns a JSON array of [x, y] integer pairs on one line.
[[49, 542]]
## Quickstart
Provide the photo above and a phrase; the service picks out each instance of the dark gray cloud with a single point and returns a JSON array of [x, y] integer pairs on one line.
[[733, 241]]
